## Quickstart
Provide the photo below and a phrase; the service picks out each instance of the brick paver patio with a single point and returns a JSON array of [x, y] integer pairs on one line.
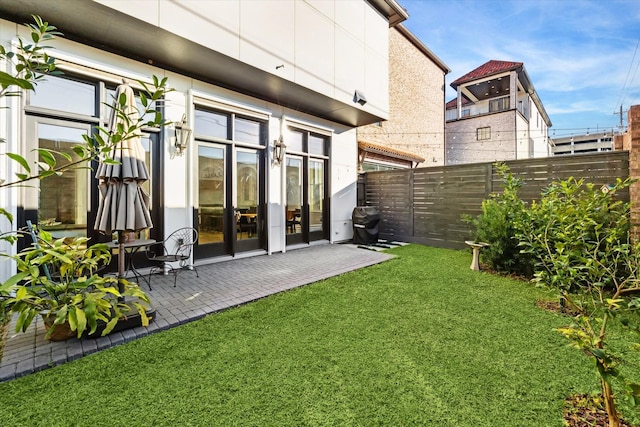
[[220, 285]]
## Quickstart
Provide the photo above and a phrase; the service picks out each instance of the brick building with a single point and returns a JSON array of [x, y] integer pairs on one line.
[[414, 132]]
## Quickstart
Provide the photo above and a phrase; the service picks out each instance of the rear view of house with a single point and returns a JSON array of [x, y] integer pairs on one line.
[[273, 91]]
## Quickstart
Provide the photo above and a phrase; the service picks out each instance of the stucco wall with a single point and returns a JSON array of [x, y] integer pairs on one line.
[[416, 104]]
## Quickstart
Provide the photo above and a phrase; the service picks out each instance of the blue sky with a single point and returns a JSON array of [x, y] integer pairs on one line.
[[583, 57]]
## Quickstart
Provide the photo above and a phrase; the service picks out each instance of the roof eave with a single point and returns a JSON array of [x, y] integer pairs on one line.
[[391, 9]]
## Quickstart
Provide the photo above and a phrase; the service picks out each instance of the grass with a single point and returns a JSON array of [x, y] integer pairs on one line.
[[418, 340]]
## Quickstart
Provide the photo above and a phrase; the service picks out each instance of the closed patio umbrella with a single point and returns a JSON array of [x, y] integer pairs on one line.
[[124, 205]]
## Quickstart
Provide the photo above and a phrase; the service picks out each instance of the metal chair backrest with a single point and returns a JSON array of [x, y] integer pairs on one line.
[[181, 241]]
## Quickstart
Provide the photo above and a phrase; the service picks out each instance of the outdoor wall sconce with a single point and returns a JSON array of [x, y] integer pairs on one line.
[[183, 135], [279, 148], [359, 98]]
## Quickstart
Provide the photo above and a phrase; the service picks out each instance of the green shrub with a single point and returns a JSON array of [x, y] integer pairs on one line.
[[496, 226], [573, 223], [579, 237]]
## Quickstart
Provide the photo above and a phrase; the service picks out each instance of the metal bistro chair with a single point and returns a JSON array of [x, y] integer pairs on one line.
[[175, 248]]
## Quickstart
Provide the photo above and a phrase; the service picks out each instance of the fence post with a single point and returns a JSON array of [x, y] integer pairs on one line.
[[488, 183], [633, 135]]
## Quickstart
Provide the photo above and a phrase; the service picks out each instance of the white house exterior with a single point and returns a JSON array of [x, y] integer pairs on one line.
[[497, 115], [245, 73]]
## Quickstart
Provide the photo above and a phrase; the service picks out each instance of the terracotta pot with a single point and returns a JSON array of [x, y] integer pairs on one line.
[[4, 331], [61, 332]]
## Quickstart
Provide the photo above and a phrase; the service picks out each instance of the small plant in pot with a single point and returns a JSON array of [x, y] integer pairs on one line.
[[59, 281]]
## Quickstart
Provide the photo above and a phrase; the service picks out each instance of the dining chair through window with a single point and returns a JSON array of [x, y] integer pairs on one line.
[[176, 248]]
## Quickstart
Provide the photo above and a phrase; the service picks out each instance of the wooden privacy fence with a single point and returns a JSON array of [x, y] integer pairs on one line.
[[426, 205]]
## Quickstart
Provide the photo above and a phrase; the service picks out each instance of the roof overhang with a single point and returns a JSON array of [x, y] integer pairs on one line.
[[394, 153], [391, 9], [102, 27]]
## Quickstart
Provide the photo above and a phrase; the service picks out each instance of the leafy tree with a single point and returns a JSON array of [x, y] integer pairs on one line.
[[32, 63]]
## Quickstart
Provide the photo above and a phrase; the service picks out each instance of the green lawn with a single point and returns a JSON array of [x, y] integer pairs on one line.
[[418, 340]]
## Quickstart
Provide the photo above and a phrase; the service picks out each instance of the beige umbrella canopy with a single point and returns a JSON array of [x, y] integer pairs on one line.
[[124, 205]]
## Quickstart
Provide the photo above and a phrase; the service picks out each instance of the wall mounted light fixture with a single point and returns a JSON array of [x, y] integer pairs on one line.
[[183, 135], [279, 149]]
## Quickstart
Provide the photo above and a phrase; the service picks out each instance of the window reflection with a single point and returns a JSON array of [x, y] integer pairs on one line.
[[294, 195], [247, 131], [147, 185], [63, 200], [211, 124], [247, 194], [111, 100], [211, 173], [317, 145], [316, 194], [64, 94], [294, 140]]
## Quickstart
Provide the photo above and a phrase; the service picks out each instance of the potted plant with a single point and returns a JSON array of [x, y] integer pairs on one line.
[[58, 280]]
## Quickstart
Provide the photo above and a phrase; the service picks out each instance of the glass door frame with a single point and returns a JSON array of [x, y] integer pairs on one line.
[[307, 150], [214, 126]]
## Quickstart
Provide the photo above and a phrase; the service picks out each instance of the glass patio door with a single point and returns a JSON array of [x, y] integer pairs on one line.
[[306, 187], [213, 230], [248, 216]]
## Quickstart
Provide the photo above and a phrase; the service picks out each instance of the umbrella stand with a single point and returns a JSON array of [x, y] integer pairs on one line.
[[121, 263]]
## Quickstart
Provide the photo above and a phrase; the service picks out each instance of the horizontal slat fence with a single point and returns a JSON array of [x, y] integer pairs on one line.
[[426, 205]]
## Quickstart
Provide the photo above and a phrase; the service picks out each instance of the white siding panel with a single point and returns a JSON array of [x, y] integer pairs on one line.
[[327, 8], [350, 68], [144, 10], [350, 16], [376, 32], [215, 25], [267, 36], [315, 55], [376, 87]]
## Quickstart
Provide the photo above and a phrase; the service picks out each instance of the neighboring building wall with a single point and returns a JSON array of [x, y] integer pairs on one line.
[[416, 101], [579, 144], [463, 145], [537, 132]]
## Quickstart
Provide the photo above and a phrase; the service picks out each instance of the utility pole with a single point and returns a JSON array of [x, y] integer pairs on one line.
[[621, 118]]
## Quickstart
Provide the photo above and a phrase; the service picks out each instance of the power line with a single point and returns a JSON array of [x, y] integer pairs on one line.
[[626, 88]]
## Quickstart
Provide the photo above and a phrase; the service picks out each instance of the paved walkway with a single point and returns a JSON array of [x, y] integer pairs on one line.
[[220, 285]]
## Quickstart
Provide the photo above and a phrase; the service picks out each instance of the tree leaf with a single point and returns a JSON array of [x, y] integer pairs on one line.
[[18, 158]]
